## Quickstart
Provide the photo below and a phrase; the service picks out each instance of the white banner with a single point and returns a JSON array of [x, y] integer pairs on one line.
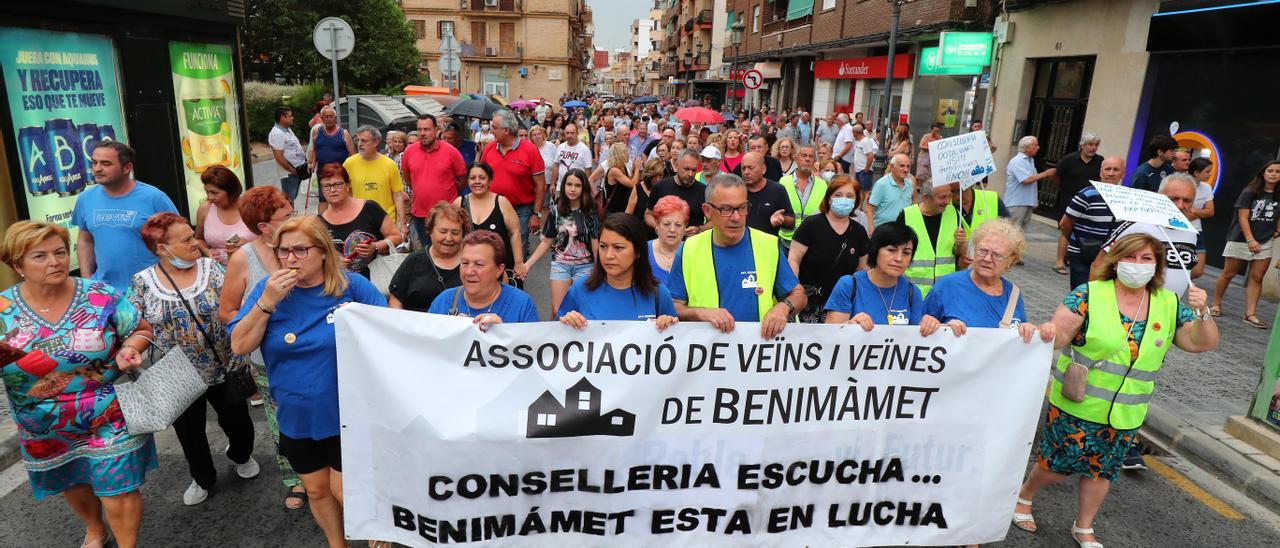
[[1141, 206], [965, 158], [537, 434]]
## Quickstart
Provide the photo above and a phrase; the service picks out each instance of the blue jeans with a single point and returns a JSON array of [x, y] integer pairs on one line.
[[524, 212], [420, 232], [1079, 269], [289, 185]]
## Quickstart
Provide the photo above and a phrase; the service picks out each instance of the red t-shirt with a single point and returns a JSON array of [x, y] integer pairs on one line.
[[433, 174], [514, 171]]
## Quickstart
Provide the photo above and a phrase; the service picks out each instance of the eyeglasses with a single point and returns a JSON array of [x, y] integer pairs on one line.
[[332, 186], [300, 252], [728, 211], [982, 253]]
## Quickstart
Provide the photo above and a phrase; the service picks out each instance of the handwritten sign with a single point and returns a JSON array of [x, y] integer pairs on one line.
[[1141, 206], [965, 159]]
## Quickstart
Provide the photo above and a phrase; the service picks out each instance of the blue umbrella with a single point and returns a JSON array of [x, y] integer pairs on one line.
[[728, 116], [645, 100], [574, 104]]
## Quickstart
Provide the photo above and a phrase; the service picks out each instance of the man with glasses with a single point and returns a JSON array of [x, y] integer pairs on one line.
[[517, 166], [733, 273], [375, 177], [435, 169]]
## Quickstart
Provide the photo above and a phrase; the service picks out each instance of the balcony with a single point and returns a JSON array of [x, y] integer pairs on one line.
[[480, 52], [498, 8], [781, 24], [704, 19]]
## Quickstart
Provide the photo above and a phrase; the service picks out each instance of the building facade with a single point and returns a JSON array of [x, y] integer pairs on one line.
[[693, 43], [513, 48]]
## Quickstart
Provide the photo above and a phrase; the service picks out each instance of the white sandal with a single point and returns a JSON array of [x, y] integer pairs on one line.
[[1020, 519], [1083, 543]]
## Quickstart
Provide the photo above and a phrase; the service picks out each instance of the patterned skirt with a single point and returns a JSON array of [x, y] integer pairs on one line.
[[112, 470], [1076, 447]]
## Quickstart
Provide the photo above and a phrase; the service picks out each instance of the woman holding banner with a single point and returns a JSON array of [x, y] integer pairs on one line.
[[299, 348], [621, 286], [1118, 335], [482, 295]]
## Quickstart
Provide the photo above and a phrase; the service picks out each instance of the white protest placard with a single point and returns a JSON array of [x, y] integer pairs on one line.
[[618, 435], [1141, 206], [965, 158]]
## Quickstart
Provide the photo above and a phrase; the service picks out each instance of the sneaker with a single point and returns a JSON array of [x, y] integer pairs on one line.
[[256, 400], [248, 469], [194, 494], [1133, 460]]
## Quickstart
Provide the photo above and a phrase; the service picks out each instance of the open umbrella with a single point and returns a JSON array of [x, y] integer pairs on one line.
[[574, 104], [523, 103], [693, 103], [699, 115], [644, 100], [474, 108], [609, 105]]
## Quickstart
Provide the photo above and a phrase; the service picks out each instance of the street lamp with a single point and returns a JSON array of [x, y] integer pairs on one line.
[[688, 81], [881, 159], [735, 36]]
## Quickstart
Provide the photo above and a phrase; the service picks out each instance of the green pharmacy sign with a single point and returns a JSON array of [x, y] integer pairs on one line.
[[929, 65], [965, 49]]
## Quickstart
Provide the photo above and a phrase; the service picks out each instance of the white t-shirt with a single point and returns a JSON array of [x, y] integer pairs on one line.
[[1175, 279], [860, 150], [548, 151], [844, 136], [286, 142], [1204, 193], [571, 157]]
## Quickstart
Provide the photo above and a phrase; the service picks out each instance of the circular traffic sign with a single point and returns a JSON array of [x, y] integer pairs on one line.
[[753, 79], [334, 37]]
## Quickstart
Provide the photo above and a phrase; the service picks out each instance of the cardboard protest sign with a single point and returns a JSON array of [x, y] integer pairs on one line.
[[965, 158], [621, 435], [1141, 206]]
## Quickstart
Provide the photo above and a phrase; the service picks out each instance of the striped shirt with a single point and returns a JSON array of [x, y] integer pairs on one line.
[[1094, 222]]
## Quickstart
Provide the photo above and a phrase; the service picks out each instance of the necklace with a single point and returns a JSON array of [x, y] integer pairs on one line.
[[472, 310], [432, 259], [880, 291]]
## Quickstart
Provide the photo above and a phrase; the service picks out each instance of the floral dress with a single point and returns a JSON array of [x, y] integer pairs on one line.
[[172, 325], [61, 394]]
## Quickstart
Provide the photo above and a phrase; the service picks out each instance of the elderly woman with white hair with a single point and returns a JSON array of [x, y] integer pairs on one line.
[[979, 296]]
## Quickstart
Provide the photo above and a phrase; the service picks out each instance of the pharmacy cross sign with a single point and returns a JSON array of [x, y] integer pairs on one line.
[[752, 79]]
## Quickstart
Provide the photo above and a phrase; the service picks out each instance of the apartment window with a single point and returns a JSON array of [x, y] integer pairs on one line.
[[507, 38], [755, 19], [421, 28], [828, 5], [478, 35], [443, 28]]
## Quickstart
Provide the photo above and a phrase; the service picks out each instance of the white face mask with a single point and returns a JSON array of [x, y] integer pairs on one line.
[[1134, 275], [827, 175]]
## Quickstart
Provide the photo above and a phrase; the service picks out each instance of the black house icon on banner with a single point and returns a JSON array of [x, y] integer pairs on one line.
[[579, 415]]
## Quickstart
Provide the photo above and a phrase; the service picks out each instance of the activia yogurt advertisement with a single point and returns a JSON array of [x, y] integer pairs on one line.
[[208, 122], [64, 99]]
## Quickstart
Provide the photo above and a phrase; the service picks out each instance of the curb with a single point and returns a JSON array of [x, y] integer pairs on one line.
[[1252, 478]]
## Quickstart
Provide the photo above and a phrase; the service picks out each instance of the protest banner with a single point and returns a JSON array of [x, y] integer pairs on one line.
[[539, 434], [965, 158], [1143, 206]]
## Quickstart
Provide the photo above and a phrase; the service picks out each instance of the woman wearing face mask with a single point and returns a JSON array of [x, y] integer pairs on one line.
[[482, 295], [573, 230], [671, 215], [829, 246], [490, 211], [1119, 328], [426, 273], [621, 287], [881, 295], [828, 170], [159, 292], [264, 209], [289, 316], [485, 135]]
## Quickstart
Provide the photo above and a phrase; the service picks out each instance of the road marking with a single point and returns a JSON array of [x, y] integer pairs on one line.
[[1194, 490], [12, 477]]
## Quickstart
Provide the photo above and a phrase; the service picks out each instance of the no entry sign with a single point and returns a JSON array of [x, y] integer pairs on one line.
[[752, 79]]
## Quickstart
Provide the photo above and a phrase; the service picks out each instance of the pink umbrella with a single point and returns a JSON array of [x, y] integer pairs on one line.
[[523, 103], [699, 115]]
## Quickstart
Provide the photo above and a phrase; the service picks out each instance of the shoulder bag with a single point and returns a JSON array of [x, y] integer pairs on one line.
[[240, 378]]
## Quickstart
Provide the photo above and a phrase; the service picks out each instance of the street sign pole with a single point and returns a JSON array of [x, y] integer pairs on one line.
[[333, 44]]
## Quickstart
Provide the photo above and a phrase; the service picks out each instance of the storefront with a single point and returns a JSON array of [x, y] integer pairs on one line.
[[837, 83], [163, 78], [942, 95]]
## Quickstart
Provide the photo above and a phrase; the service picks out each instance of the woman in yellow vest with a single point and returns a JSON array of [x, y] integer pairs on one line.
[[1118, 335]]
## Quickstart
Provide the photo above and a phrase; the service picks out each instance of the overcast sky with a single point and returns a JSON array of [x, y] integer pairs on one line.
[[613, 20]]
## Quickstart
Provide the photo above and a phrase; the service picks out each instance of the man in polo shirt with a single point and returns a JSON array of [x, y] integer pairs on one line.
[[683, 185], [891, 194], [1074, 173], [517, 166], [1088, 223], [1022, 187], [434, 169]]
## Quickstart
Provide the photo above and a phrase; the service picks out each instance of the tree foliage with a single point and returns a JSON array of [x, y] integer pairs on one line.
[[278, 40]]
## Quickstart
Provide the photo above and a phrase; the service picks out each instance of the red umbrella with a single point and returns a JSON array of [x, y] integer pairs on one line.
[[699, 115]]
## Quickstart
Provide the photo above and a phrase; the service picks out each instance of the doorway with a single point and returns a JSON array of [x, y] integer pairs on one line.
[[1059, 98]]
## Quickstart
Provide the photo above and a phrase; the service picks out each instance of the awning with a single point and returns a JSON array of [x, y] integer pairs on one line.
[[799, 8], [770, 69]]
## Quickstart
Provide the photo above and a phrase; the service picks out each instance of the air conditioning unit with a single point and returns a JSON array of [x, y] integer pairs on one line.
[[490, 52], [491, 3]]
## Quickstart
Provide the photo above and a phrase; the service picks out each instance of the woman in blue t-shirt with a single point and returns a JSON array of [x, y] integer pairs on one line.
[[482, 295], [881, 295], [979, 296], [289, 315], [622, 286]]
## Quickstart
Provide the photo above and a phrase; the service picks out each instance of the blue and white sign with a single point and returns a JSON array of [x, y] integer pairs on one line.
[[1141, 206], [964, 159]]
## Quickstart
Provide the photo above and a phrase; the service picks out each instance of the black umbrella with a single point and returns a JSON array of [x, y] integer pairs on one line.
[[474, 108], [644, 100]]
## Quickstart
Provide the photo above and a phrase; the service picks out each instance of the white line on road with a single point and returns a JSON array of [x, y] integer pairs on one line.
[[11, 478]]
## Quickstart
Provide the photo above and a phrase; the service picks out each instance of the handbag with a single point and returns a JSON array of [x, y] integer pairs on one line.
[[383, 268], [159, 395], [1076, 378], [239, 379]]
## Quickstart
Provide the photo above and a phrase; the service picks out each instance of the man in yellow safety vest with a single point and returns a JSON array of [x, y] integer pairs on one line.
[[937, 226], [805, 189], [733, 273], [976, 206]]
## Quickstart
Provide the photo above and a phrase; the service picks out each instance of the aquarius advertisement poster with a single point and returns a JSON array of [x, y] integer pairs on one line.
[[64, 100], [208, 112]]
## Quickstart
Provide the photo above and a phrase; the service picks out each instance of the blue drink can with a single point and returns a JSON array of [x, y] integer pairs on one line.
[[68, 158], [88, 141], [106, 133], [37, 163]]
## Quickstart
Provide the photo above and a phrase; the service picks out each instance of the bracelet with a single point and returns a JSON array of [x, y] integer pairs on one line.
[[263, 308], [790, 307]]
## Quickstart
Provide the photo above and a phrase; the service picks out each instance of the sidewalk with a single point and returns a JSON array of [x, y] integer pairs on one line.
[[1196, 393]]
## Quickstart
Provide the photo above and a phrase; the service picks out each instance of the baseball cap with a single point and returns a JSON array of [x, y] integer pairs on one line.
[[710, 151]]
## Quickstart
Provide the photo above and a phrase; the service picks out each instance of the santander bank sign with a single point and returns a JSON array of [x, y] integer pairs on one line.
[[864, 67]]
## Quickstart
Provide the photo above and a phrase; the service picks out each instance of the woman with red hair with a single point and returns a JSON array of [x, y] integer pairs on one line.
[[670, 216]]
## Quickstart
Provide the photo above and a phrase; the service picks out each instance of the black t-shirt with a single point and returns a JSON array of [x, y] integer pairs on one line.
[[772, 169], [830, 255], [763, 203], [1074, 174], [932, 224], [418, 281], [366, 227], [694, 195]]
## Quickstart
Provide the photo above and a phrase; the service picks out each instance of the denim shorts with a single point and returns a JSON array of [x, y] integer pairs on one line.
[[561, 272]]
